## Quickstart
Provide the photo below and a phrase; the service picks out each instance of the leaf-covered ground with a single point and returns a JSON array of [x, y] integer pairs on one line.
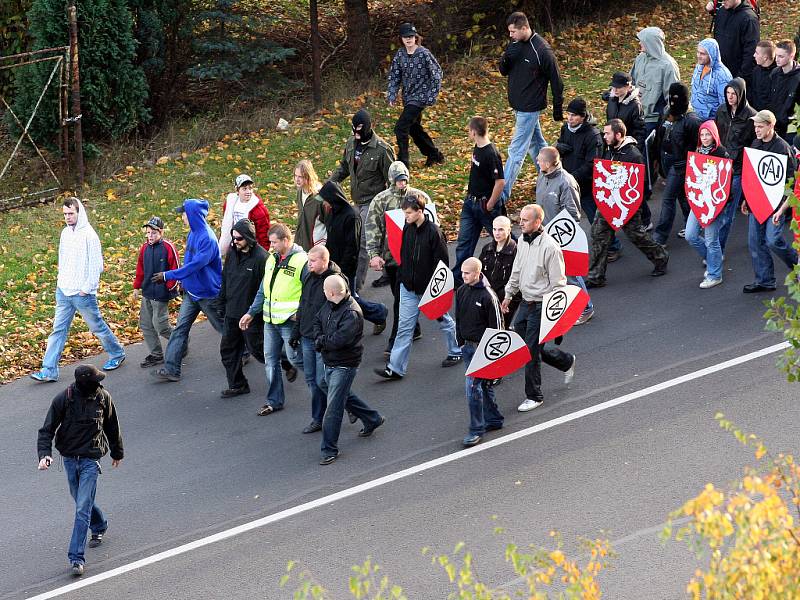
[[119, 206]]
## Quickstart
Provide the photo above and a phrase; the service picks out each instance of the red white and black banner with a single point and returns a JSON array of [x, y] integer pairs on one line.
[[763, 181], [618, 190], [708, 185], [498, 354], [438, 296], [560, 309], [396, 220], [572, 239]]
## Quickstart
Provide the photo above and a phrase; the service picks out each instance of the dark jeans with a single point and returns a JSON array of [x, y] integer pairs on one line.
[[233, 344], [179, 340], [374, 312], [766, 236], [674, 191], [337, 384], [410, 123], [392, 272], [82, 478], [731, 208], [473, 220], [483, 409], [526, 324], [314, 372]]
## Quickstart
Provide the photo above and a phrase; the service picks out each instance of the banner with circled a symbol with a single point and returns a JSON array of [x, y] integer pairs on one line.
[[438, 296], [763, 181], [498, 354], [572, 240], [560, 309]]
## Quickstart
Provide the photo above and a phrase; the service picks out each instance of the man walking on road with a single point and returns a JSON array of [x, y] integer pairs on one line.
[[529, 64], [338, 331], [80, 262], [83, 420], [538, 270]]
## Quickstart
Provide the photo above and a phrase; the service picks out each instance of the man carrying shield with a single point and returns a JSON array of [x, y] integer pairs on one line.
[[622, 148]]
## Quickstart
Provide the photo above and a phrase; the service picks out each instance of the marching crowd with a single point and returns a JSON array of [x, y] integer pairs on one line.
[[292, 298]]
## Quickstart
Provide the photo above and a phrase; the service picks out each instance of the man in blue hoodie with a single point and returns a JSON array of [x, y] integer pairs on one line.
[[709, 80], [201, 279]]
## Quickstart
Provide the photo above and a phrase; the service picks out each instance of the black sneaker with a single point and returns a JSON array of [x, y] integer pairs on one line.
[[151, 361], [451, 361], [164, 375], [660, 268], [351, 417], [326, 460], [417, 335], [77, 569], [367, 431], [387, 373], [231, 392], [381, 281], [291, 374], [436, 159], [96, 539]]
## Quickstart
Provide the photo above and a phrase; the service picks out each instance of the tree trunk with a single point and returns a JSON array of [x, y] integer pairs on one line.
[[359, 38], [316, 58]]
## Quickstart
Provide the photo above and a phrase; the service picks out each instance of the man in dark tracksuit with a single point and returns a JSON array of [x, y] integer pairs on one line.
[[84, 422], [338, 331], [784, 91], [241, 277], [477, 309]]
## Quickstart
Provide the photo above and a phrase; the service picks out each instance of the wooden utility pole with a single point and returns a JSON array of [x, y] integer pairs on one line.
[[316, 57], [72, 14]]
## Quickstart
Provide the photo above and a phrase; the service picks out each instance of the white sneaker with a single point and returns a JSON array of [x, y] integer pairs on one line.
[[569, 375], [682, 233], [709, 283], [529, 405]]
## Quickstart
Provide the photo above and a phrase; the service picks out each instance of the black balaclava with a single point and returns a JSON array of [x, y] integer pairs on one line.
[[362, 117], [678, 99], [87, 387]]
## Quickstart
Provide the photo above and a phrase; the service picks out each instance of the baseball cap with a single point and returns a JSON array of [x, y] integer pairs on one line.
[[242, 179], [407, 30], [88, 373], [765, 116], [155, 223], [401, 176], [620, 79]]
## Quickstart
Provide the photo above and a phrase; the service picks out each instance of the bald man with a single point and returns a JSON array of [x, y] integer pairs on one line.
[[338, 330], [538, 270], [477, 308]]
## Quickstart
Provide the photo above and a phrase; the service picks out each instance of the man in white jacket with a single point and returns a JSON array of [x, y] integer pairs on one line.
[[80, 262]]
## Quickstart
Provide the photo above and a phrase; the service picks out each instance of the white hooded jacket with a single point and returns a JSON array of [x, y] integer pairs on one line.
[[80, 257]]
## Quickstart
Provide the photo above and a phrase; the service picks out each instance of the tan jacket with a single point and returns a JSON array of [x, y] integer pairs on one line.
[[538, 268]]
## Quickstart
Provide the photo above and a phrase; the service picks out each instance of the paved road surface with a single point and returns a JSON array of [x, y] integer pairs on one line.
[[197, 465]]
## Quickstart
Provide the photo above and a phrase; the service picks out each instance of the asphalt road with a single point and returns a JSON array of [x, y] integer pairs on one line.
[[197, 465]]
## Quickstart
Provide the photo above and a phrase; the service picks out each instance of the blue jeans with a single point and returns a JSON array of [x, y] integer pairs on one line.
[[473, 220], [763, 237], [82, 478], [314, 372], [673, 192], [409, 313], [731, 208], [179, 340], [66, 307], [707, 243], [483, 409], [581, 284], [276, 338], [527, 139], [337, 384]]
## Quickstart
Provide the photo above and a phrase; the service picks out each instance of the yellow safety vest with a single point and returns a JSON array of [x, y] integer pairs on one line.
[[282, 287]]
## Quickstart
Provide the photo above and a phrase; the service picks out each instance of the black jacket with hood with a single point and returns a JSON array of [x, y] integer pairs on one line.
[[627, 151], [578, 150], [423, 247], [344, 229], [759, 87], [84, 423], [783, 95], [242, 273], [311, 300], [678, 128], [530, 66], [737, 32], [477, 308], [736, 130], [497, 265], [628, 110], [338, 331]]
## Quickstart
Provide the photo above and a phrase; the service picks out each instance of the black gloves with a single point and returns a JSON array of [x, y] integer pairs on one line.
[[294, 341], [319, 344], [558, 114], [158, 278]]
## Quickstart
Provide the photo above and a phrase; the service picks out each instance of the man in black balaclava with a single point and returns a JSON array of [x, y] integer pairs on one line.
[[366, 161], [83, 420], [676, 135]]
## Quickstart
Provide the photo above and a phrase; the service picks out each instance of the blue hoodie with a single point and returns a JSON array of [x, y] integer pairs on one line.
[[201, 273], [708, 93]]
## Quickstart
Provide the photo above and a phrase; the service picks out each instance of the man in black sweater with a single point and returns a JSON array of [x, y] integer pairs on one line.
[[784, 88], [477, 308], [737, 31], [84, 422], [242, 275], [338, 331], [760, 85], [424, 245], [579, 143]]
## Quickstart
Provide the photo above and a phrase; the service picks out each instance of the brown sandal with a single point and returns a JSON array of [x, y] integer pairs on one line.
[[265, 410]]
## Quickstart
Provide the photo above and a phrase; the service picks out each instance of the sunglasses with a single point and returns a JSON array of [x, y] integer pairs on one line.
[[237, 238]]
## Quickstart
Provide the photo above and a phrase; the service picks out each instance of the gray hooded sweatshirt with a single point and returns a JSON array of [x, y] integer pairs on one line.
[[653, 72], [556, 191]]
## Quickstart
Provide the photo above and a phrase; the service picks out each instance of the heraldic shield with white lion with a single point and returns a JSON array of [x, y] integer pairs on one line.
[[618, 189], [708, 185]]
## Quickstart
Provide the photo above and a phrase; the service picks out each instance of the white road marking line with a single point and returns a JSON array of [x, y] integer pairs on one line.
[[437, 462]]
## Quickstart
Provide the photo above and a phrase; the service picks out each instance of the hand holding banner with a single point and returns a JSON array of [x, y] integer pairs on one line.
[[572, 239], [560, 309], [498, 354], [438, 296]]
